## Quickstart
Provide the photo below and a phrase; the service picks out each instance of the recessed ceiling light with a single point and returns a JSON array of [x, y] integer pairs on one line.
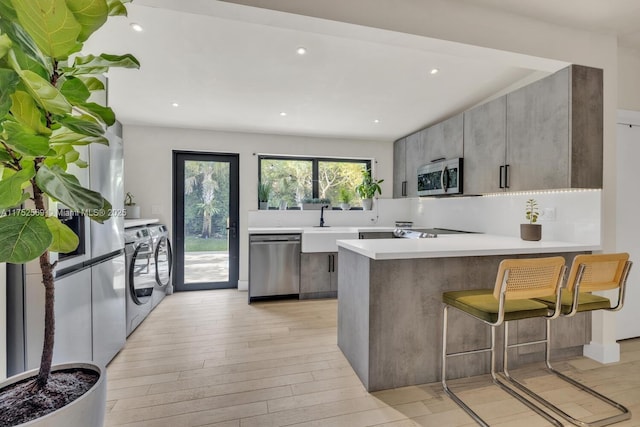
[[301, 50], [434, 71], [282, 113], [136, 27], [175, 104], [376, 121]]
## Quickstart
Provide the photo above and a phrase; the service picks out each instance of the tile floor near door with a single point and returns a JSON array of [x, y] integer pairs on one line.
[[210, 359]]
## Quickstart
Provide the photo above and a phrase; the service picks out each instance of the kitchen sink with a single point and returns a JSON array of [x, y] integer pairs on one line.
[[323, 239]]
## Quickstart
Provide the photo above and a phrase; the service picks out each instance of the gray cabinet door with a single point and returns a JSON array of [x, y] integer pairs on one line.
[[399, 168], [415, 157], [484, 147], [444, 140], [538, 146], [315, 273]]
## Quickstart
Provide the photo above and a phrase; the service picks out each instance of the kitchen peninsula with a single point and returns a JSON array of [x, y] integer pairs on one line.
[[390, 309]]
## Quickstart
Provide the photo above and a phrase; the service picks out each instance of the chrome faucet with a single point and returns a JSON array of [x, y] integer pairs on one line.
[[322, 214]]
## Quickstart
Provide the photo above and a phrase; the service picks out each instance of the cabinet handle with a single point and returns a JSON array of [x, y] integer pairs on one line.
[[404, 188], [329, 259], [506, 176], [501, 175], [333, 263]]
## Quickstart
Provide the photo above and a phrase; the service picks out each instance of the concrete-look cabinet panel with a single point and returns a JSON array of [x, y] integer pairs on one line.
[[399, 168], [485, 140], [416, 156], [390, 319], [318, 275], [538, 140], [445, 139]]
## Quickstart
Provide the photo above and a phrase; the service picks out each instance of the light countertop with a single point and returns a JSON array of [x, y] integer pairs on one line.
[[128, 223], [330, 229], [458, 245]]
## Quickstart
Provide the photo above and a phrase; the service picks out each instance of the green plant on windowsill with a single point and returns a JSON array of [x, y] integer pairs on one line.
[[264, 191], [368, 188], [345, 197]]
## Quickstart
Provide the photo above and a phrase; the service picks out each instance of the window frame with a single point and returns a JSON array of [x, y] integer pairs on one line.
[[314, 166]]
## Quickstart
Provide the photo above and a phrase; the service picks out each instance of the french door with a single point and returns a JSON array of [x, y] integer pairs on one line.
[[205, 220]]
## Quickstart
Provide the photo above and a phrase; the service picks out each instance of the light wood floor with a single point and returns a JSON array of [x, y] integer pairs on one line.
[[210, 359]]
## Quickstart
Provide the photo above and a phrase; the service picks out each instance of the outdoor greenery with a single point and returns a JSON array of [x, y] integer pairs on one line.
[[45, 115], [206, 205], [198, 244], [292, 179]]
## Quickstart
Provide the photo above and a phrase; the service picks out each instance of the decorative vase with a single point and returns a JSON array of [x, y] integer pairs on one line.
[[531, 232], [88, 410], [132, 212], [345, 206], [367, 204]]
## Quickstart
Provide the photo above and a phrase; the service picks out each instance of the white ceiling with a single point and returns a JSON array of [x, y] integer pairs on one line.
[[232, 67]]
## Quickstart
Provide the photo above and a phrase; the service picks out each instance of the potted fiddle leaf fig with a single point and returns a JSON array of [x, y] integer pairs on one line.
[[531, 231], [368, 188], [45, 114]]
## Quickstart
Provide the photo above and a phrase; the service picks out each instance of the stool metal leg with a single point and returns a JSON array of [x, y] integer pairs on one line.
[[624, 412], [494, 377]]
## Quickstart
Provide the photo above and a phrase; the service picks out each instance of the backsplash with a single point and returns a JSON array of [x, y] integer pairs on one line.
[[577, 214]]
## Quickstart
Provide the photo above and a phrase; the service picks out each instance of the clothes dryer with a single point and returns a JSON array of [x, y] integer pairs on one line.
[[141, 275], [163, 258]]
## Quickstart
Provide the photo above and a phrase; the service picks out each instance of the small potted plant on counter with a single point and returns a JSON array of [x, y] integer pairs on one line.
[[264, 191], [132, 211], [368, 189], [531, 231], [345, 197], [45, 114]]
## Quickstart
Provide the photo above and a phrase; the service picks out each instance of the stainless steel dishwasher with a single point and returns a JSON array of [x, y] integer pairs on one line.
[[274, 265]]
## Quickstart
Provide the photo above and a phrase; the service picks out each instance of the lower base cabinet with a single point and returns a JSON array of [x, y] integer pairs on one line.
[[318, 275]]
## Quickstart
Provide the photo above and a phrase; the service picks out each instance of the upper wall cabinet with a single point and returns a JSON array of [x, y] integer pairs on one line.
[[546, 135], [443, 140]]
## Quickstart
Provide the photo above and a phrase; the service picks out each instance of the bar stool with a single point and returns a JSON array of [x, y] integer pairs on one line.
[[588, 273], [518, 281]]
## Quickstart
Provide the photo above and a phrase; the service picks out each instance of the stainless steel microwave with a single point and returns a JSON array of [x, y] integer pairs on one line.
[[440, 177]]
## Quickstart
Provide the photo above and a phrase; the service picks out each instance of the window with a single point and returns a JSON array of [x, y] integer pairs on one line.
[[295, 179]]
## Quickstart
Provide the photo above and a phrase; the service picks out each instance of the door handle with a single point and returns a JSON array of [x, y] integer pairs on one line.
[[404, 188], [501, 175], [329, 259], [233, 230], [506, 176]]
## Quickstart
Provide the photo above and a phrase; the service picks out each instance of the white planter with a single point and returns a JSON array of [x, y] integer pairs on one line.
[[88, 410], [133, 212], [367, 204], [345, 206]]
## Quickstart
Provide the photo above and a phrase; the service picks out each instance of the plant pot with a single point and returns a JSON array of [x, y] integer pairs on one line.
[[532, 232], [88, 410], [367, 204], [345, 206], [314, 206], [264, 206], [132, 212]]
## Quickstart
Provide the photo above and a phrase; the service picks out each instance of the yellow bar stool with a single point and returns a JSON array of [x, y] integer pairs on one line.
[[518, 281], [588, 273]]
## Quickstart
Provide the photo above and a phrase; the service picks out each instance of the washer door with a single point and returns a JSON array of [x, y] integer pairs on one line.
[[164, 261], [142, 274]]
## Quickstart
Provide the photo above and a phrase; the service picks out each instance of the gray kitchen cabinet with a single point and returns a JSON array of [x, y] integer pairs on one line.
[[318, 275], [546, 135], [416, 156], [444, 140], [485, 147], [375, 235], [399, 168]]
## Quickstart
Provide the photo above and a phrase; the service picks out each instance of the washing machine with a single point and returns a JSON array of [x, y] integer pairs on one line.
[[141, 275], [163, 258]]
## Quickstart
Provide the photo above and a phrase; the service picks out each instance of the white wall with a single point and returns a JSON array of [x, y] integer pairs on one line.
[[148, 168], [628, 81]]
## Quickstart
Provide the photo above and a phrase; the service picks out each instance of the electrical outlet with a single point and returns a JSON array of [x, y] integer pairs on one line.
[[548, 214]]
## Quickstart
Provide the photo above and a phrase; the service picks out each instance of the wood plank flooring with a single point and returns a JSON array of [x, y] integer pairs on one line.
[[210, 359]]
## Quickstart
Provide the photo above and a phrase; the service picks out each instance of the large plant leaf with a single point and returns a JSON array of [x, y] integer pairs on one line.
[[90, 14], [51, 24], [92, 64], [5, 44], [84, 125], [47, 96], [27, 53], [75, 90], [4, 156], [67, 136], [64, 239], [24, 139], [11, 193], [106, 114], [8, 82], [25, 111], [66, 188], [7, 11], [92, 83], [116, 7], [23, 237]]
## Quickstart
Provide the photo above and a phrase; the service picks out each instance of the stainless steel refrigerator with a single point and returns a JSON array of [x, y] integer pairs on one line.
[[90, 283]]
